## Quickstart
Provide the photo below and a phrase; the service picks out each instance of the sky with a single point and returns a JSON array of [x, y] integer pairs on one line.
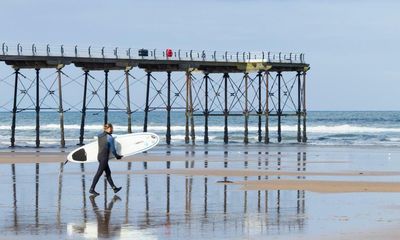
[[351, 45]]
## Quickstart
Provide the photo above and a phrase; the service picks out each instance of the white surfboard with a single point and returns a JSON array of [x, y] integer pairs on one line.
[[126, 145]]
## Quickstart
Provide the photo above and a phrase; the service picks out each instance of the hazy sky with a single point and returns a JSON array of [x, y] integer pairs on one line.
[[352, 45]]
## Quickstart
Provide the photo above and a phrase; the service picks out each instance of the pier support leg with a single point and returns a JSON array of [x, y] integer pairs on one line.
[[128, 100], [106, 96], [279, 108], [266, 138], [37, 108], [168, 134], [226, 112], [206, 112], [146, 109], [187, 109], [246, 110], [83, 116], [259, 75], [60, 107], [14, 110], [192, 130], [304, 108], [298, 107]]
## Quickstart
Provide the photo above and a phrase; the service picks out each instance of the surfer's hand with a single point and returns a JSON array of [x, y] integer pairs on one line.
[[118, 157]]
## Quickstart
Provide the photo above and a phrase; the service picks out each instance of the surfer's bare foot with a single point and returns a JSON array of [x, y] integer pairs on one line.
[[94, 193], [116, 189]]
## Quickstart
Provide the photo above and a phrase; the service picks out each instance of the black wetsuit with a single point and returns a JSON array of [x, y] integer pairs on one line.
[[106, 144]]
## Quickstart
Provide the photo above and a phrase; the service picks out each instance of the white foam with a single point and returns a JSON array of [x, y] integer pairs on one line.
[[340, 129], [333, 129]]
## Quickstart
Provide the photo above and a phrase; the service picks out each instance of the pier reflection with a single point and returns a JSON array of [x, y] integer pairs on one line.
[[156, 206]]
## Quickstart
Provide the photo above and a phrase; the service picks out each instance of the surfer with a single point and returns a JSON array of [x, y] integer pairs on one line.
[[106, 145]]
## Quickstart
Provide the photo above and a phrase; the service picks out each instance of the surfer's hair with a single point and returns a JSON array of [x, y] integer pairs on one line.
[[107, 125]]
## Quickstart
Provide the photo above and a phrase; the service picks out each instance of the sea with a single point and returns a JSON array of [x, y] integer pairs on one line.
[[323, 128]]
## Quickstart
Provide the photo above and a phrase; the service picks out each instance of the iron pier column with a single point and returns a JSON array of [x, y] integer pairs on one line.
[[304, 108], [298, 107], [206, 112], [246, 110], [168, 134], [128, 100], [14, 111], [259, 75], [187, 109], [146, 109], [266, 139], [60, 107], [83, 117], [226, 76], [37, 109], [279, 107], [106, 96], [192, 130]]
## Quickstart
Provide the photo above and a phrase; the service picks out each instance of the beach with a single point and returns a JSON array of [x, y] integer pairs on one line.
[[261, 119], [256, 191]]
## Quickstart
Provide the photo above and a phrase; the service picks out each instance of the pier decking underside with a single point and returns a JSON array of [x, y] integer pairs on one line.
[[149, 65]]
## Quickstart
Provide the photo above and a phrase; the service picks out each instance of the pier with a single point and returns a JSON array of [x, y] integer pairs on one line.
[[200, 84]]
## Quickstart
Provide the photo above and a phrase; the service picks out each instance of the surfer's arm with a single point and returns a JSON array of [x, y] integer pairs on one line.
[[111, 145]]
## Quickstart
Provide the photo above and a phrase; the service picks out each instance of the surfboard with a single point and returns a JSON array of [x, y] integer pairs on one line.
[[126, 145]]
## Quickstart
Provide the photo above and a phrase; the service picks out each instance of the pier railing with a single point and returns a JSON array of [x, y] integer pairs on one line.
[[148, 54]]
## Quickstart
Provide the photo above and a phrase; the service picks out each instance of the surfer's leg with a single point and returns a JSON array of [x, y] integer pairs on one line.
[[109, 179], [96, 178], [108, 175]]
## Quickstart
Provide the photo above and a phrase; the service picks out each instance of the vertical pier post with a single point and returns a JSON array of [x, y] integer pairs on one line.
[[83, 116], [128, 99], [259, 75], [192, 130], [37, 109], [304, 108], [246, 110], [168, 134], [106, 96], [226, 76], [279, 107], [187, 109], [146, 109], [266, 138], [146, 115], [206, 112], [60, 106], [298, 107], [14, 110]]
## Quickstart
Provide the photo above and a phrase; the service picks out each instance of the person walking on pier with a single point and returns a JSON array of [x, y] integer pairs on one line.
[[106, 145]]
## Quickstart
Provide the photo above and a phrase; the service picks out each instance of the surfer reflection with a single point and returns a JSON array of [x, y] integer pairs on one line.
[[103, 221], [106, 145]]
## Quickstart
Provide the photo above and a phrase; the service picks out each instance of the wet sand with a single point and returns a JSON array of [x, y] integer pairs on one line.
[[238, 192], [321, 186]]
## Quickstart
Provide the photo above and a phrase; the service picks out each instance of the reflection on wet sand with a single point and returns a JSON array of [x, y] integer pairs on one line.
[[37, 194], [14, 183], [60, 177], [102, 228], [205, 209]]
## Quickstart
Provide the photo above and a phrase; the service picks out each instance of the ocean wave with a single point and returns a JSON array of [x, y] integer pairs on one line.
[[328, 129]]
